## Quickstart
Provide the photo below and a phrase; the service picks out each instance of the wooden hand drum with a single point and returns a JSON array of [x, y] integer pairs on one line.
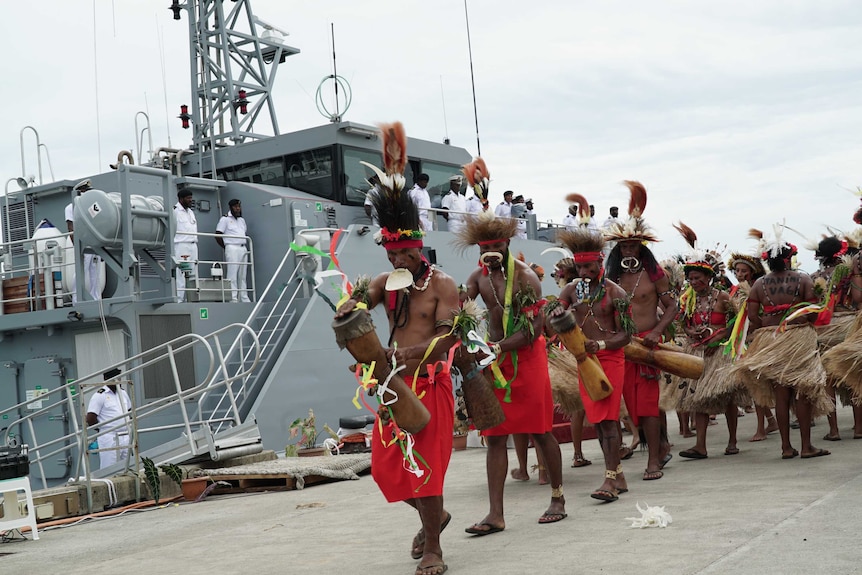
[[592, 375], [668, 358], [482, 404], [356, 332]]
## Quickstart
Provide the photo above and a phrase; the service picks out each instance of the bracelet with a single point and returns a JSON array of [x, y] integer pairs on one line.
[[496, 349], [602, 344]]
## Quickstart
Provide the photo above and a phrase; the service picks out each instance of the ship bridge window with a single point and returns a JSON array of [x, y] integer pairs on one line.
[[311, 172], [269, 172], [356, 175]]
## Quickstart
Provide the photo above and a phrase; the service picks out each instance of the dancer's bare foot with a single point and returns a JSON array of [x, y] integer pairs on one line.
[[771, 425], [759, 436], [520, 475]]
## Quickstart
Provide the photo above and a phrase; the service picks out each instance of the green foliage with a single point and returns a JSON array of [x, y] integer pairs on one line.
[[151, 476], [173, 471], [306, 429], [623, 307]]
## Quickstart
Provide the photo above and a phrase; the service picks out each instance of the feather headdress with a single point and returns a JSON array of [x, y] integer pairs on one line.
[[755, 264], [585, 245], [673, 270], [485, 228], [696, 259], [830, 247], [635, 227], [478, 177], [777, 246], [583, 208], [397, 214]]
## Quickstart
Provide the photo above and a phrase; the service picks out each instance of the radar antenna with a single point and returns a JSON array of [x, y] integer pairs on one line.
[[233, 70]]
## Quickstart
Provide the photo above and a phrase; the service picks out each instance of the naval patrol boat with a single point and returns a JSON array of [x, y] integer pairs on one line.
[[208, 378]]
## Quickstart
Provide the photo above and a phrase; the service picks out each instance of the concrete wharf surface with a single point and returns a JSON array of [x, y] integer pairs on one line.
[[748, 513]]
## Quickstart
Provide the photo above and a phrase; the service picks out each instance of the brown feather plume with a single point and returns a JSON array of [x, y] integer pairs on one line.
[[687, 233], [394, 147], [755, 234], [583, 207], [477, 175], [637, 198]]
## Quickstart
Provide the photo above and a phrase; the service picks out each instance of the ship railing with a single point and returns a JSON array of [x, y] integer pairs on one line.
[[269, 324], [223, 289], [49, 263], [279, 301], [531, 224], [69, 400]]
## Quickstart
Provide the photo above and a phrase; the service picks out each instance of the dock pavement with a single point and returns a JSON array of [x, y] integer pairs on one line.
[[747, 513]]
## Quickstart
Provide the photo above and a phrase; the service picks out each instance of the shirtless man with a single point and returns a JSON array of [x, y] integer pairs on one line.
[[633, 266], [417, 315], [593, 300], [526, 399]]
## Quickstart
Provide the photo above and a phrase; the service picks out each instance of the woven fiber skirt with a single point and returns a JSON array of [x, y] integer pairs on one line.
[[843, 364], [790, 358]]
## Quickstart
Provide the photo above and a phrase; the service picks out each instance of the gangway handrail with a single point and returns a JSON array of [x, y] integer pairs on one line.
[[76, 401], [274, 280]]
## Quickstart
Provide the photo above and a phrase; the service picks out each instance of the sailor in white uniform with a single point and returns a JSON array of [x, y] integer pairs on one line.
[[235, 250], [185, 239], [108, 402]]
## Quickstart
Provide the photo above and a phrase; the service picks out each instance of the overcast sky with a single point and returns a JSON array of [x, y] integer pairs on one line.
[[733, 114]]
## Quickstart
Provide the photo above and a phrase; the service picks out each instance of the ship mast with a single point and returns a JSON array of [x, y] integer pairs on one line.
[[232, 72]]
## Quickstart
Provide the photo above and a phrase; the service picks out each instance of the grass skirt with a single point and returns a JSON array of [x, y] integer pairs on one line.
[[790, 359], [836, 331], [843, 364], [563, 369], [711, 393], [675, 390]]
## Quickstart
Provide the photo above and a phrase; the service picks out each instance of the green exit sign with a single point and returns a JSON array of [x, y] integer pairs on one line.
[[205, 313], [318, 207]]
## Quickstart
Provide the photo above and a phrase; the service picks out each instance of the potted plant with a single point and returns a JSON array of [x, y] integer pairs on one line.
[[306, 430], [193, 488]]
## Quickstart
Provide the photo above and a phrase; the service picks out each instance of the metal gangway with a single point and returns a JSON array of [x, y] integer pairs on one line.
[[176, 414], [273, 319]]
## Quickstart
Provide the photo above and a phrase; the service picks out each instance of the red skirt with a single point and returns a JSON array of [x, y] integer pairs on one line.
[[641, 389], [433, 446], [531, 409], [613, 363]]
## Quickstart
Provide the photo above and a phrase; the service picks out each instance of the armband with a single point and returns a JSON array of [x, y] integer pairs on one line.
[[444, 323], [496, 349], [602, 344]]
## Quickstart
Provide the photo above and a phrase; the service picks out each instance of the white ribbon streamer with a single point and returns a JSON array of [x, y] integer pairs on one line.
[[413, 467], [476, 343]]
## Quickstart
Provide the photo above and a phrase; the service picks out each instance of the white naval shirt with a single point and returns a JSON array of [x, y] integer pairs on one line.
[[186, 225], [422, 200], [107, 405], [231, 226]]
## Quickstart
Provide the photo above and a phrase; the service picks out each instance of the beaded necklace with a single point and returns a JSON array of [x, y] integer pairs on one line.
[[427, 279], [631, 294], [493, 290], [702, 314], [582, 290]]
